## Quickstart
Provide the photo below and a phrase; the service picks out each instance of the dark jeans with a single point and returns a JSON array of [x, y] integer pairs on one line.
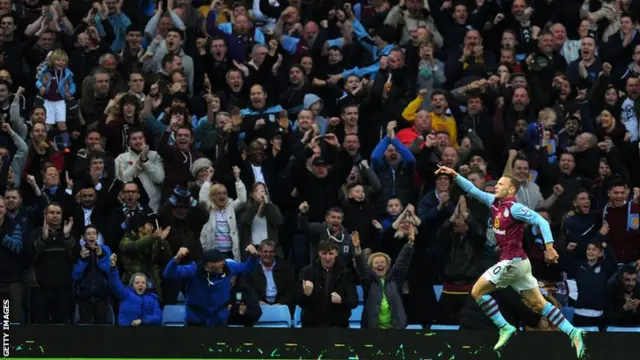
[[51, 305], [93, 311], [450, 306], [13, 292]]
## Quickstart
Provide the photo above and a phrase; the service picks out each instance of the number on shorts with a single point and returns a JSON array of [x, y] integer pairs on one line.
[[496, 270]]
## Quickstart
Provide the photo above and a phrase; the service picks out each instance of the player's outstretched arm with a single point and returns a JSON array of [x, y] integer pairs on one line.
[[524, 214], [467, 186]]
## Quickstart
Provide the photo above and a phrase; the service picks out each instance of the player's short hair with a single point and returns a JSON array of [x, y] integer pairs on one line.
[[514, 182]]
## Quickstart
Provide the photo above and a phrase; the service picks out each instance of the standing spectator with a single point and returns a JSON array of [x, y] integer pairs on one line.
[[259, 218], [91, 272], [328, 290], [51, 246], [383, 285], [138, 306], [209, 284], [11, 262]]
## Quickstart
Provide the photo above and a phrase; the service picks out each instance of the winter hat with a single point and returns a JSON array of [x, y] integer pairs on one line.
[[199, 165], [181, 198], [213, 255]]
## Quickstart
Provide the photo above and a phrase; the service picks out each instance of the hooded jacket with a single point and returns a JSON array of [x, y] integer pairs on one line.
[[321, 121], [91, 275], [145, 307], [208, 294]]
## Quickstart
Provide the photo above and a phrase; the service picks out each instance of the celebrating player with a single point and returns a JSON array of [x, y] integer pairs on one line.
[[514, 269]]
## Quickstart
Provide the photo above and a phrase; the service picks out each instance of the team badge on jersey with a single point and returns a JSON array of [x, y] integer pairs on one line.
[[496, 223]]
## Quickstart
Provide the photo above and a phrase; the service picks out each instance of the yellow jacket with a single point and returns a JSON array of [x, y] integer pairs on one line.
[[446, 123]]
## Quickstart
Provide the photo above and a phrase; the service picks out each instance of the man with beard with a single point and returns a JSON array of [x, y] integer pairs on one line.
[[394, 164], [172, 45], [237, 93], [519, 108], [122, 114], [178, 158], [89, 210], [93, 104], [623, 298], [143, 166]]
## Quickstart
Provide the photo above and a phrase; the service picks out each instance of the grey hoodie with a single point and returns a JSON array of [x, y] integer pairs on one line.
[[322, 122]]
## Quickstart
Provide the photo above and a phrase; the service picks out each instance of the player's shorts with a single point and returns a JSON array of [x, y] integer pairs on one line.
[[515, 273]]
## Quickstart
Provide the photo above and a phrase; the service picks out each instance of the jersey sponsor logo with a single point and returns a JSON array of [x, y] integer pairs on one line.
[[506, 212], [500, 232]]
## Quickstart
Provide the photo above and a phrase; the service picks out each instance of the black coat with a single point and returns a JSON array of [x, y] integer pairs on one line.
[[317, 309], [282, 276]]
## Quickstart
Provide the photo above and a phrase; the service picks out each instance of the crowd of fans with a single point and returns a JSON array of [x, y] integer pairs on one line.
[[247, 154]]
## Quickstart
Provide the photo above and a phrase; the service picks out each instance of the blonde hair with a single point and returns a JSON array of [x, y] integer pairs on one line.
[[134, 276], [56, 55], [378, 254], [547, 114]]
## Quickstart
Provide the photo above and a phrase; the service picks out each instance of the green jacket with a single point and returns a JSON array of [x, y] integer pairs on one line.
[[147, 255]]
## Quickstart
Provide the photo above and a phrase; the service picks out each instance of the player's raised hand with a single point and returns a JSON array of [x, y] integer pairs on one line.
[[446, 171], [551, 255]]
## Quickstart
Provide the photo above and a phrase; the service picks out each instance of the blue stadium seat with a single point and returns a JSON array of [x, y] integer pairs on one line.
[[297, 317], [360, 294], [445, 327], [623, 329], [111, 318], [356, 316], [274, 316], [173, 315], [568, 312], [589, 328], [414, 327], [181, 299], [438, 290]]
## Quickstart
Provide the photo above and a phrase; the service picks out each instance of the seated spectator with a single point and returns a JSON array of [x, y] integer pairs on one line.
[[383, 285], [623, 298], [328, 290], [138, 306], [244, 306], [90, 273], [273, 278], [209, 284]]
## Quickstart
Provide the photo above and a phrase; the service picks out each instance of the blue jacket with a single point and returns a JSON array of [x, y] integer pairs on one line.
[[91, 275], [206, 299], [145, 307], [66, 78]]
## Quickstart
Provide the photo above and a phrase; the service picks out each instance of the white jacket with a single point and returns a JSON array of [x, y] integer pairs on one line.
[[151, 174], [208, 234]]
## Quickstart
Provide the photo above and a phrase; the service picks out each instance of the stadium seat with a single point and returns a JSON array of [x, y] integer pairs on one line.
[[623, 329], [356, 316], [360, 294], [589, 328], [438, 290], [297, 317], [445, 327], [568, 312], [414, 327], [274, 316], [173, 315]]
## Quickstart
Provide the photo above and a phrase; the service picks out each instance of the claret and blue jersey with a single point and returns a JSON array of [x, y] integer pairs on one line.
[[508, 218]]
